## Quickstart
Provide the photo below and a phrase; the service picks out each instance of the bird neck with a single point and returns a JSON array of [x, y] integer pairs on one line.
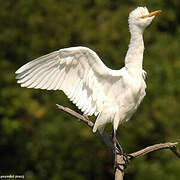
[[134, 56]]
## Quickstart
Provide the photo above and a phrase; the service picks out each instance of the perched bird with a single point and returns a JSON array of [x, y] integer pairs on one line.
[[111, 95]]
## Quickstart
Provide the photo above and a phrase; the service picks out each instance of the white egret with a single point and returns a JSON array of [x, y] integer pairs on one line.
[[111, 95]]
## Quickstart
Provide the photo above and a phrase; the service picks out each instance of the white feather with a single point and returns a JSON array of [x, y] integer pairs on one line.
[[113, 95]]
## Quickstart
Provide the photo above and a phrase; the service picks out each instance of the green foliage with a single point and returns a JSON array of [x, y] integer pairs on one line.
[[40, 141]]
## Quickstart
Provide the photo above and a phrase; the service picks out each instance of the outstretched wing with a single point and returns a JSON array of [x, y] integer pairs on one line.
[[77, 71]]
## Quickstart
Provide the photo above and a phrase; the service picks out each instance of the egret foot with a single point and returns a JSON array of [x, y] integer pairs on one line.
[[118, 150], [126, 157], [125, 160]]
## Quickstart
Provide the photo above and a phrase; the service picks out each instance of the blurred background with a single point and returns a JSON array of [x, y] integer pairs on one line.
[[42, 142]]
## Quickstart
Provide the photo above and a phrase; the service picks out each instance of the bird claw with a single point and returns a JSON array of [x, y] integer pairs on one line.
[[118, 166], [118, 150], [122, 166], [126, 158]]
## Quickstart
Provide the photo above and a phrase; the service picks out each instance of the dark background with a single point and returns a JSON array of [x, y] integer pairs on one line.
[[41, 142]]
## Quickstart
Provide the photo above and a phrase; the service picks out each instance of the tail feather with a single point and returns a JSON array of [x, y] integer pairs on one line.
[[107, 115], [101, 121]]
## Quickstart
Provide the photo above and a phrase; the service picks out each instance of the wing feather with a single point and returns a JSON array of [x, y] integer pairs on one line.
[[78, 71]]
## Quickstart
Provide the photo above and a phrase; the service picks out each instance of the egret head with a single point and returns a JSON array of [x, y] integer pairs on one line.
[[141, 18]]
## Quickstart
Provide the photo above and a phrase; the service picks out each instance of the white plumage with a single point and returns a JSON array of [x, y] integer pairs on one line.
[[112, 95]]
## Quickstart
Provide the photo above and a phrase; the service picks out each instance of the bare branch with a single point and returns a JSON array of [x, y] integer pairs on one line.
[[155, 148], [84, 119], [77, 115]]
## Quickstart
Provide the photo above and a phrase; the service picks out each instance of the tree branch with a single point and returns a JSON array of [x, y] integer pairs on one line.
[[85, 120], [171, 146], [119, 172]]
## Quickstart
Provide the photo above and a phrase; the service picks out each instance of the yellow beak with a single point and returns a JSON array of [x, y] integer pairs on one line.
[[152, 14]]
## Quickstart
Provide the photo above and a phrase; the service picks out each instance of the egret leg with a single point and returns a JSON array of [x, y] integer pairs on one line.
[[118, 147], [115, 148]]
